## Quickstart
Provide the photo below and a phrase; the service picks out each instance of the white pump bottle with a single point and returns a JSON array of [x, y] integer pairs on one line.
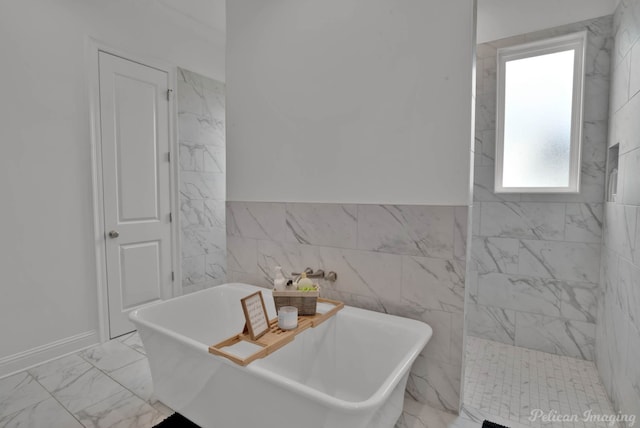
[[279, 281]]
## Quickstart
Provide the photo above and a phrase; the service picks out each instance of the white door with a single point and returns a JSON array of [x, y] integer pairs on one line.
[[134, 121]]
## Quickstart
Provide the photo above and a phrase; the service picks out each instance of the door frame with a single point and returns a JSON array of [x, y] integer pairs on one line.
[[92, 49]]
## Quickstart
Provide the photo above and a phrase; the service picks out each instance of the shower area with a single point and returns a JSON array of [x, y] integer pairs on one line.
[[553, 280]]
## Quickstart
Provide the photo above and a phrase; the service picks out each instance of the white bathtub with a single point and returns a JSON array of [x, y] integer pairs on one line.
[[349, 372]]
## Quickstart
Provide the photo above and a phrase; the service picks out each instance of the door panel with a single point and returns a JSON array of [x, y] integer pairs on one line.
[[140, 267], [136, 186], [135, 111]]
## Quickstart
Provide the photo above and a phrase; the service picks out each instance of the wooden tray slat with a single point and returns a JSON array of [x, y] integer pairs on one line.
[[275, 338]]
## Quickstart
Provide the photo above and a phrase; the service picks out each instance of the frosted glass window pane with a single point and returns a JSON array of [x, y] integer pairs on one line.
[[537, 120]]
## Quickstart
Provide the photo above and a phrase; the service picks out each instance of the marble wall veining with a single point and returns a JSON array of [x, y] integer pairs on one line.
[[201, 137], [535, 258], [405, 260], [618, 331]]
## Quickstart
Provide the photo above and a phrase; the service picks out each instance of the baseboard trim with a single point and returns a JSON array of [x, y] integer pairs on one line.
[[41, 354]]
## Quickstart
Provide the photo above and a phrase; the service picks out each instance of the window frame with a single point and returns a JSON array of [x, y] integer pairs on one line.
[[573, 41]]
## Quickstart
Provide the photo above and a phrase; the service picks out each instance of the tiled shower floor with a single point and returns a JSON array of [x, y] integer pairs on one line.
[[506, 383]]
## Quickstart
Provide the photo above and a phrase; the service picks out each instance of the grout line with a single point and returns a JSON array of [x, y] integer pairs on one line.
[[58, 401], [127, 365], [114, 380], [32, 404]]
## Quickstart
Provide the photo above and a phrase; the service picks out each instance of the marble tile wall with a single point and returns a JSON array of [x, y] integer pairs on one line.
[[535, 259], [618, 330], [201, 137], [402, 260]]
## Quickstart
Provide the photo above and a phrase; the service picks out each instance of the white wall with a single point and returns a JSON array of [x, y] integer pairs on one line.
[[47, 262], [498, 19], [365, 101]]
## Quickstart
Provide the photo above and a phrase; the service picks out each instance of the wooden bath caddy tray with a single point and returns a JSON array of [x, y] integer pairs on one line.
[[275, 338]]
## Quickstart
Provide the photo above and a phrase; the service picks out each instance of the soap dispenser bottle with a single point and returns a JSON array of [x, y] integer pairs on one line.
[[304, 282], [279, 281]]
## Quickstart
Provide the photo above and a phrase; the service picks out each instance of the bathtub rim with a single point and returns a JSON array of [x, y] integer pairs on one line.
[[379, 396]]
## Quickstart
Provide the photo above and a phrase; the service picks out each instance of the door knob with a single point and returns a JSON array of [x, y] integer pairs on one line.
[[113, 234]]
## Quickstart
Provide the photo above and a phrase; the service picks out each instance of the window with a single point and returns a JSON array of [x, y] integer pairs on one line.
[[539, 116]]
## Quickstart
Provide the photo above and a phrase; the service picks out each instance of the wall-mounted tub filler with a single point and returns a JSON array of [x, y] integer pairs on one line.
[[350, 371], [331, 276]]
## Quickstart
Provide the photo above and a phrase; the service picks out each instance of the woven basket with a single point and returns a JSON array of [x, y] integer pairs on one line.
[[305, 301]]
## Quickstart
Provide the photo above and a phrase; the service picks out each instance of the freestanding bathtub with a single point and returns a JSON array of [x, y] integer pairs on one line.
[[349, 372]]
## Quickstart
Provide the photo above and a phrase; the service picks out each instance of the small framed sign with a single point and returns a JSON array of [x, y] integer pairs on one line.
[[255, 312]]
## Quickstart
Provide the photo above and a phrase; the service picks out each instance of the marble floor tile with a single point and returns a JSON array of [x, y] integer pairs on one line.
[[136, 377], [18, 392], [63, 391], [60, 373], [47, 413], [163, 409], [503, 383], [134, 342], [84, 386], [111, 355], [122, 410], [476, 417]]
